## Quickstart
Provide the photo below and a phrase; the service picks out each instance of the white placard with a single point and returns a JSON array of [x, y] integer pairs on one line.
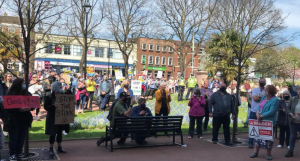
[[119, 74], [159, 74], [136, 87], [261, 130]]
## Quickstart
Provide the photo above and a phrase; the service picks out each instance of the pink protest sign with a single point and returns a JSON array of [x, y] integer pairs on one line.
[[11, 102]]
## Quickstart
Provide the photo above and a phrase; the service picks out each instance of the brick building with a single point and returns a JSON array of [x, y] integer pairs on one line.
[[155, 55]]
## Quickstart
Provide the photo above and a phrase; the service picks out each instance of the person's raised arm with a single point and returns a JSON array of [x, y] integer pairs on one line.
[[128, 112]]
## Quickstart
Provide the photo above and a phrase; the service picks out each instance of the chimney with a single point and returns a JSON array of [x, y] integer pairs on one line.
[[5, 14]]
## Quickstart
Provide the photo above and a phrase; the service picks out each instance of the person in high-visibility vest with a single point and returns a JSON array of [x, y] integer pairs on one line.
[[191, 85], [181, 86]]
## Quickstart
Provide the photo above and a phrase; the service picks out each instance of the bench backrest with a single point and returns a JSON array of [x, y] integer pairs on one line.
[[147, 124]]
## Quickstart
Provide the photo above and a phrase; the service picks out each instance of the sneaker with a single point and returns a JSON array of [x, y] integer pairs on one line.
[[64, 132], [269, 157], [51, 152], [253, 155], [21, 156], [13, 158], [279, 146], [289, 154], [37, 118], [200, 137], [100, 141], [189, 137], [228, 144], [61, 150]]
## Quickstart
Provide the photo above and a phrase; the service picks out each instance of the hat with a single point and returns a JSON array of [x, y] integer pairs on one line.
[[123, 94]]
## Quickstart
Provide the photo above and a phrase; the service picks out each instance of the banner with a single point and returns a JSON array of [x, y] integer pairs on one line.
[[16, 101], [67, 78], [90, 71], [261, 130], [65, 109], [136, 87], [118, 74], [159, 74]]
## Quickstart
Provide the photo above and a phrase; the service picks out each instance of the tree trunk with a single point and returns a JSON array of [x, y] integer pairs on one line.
[[126, 66], [32, 49], [81, 64]]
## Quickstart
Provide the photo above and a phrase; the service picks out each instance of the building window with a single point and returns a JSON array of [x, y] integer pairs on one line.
[[10, 66], [171, 49], [155, 74], [77, 50], [164, 49], [144, 46], [157, 48], [11, 30], [157, 60], [49, 47], [67, 50], [150, 60], [99, 52], [151, 47], [163, 60], [143, 59], [193, 62], [170, 61], [200, 50]]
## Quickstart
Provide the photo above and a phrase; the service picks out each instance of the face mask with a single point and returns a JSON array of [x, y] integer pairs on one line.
[[80, 80], [262, 85], [126, 86], [61, 91], [286, 97], [223, 89], [143, 106], [23, 86], [181, 77], [63, 84]]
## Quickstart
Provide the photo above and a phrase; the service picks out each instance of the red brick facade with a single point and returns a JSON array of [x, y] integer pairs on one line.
[[156, 55]]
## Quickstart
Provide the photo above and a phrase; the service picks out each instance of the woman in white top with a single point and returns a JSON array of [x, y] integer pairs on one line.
[[171, 85], [36, 89]]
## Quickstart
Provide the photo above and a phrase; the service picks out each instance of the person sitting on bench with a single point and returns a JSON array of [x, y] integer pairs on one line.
[[140, 110], [120, 110]]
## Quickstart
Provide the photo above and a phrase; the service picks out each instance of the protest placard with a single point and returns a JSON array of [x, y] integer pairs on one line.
[[118, 74], [18, 101], [159, 74], [261, 130], [65, 110], [67, 78], [136, 87]]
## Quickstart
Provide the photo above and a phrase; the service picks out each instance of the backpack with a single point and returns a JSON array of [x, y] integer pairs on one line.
[[109, 116]]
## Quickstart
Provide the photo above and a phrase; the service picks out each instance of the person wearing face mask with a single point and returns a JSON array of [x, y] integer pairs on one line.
[[17, 121], [51, 129], [197, 111], [282, 120], [206, 92], [36, 89], [293, 93], [257, 94], [181, 86], [140, 110], [104, 89], [191, 84], [90, 86], [80, 96], [221, 105], [129, 92], [266, 111], [293, 113]]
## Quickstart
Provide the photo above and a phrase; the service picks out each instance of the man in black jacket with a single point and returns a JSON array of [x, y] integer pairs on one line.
[[221, 106]]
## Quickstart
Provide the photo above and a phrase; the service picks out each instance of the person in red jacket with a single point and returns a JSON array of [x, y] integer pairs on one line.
[[197, 112], [247, 86]]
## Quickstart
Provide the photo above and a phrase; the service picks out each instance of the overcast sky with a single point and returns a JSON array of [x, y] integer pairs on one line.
[[291, 8]]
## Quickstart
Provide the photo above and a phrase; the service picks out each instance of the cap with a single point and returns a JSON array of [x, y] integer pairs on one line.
[[123, 94]]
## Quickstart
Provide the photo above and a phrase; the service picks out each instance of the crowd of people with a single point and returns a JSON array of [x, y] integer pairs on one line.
[[209, 98]]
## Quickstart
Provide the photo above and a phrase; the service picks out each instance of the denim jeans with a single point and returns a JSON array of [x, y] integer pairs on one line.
[[82, 100], [103, 99], [252, 116], [16, 139], [293, 130]]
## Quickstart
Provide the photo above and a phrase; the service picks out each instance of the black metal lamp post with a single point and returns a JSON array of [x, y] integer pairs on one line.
[[86, 7]]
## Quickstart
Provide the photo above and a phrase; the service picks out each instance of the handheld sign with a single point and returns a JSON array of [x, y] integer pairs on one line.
[[261, 130], [136, 87], [65, 112], [19, 101], [67, 78]]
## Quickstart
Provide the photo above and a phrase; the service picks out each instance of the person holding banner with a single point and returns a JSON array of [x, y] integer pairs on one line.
[[36, 89], [267, 111], [51, 129], [293, 113], [17, 121]]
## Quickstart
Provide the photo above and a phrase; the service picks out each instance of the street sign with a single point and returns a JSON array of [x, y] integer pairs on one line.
[[261, 130]]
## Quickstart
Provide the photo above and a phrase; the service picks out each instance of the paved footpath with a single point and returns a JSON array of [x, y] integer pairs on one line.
[[87, 150]]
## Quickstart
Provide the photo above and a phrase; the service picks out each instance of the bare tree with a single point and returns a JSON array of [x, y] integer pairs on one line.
[[258, 24], [186, 18], [1, 3], [31, 13], [127, 20], [76, 20]]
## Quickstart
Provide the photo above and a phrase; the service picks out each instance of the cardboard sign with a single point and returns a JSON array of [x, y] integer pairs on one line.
[[118, 74], [65, 112], [261, 130], [136, 87], [11, 102], [90, 71], [159, 74], [67, 78]]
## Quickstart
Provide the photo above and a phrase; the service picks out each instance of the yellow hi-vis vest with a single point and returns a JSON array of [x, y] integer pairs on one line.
[[192, 82], [181, 82]]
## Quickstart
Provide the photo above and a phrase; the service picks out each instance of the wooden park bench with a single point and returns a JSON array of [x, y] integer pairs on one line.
[[147, 126]]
